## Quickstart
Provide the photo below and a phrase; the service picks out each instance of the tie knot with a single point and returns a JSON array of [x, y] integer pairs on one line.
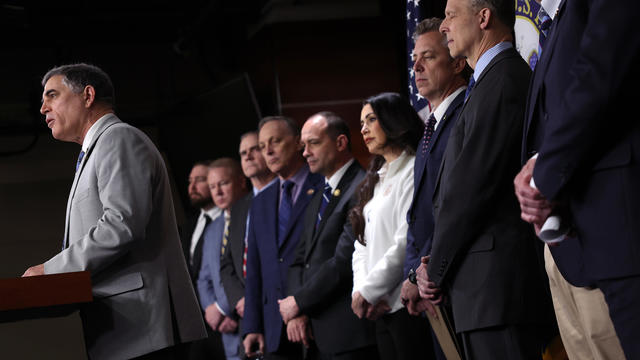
[[287, 185]]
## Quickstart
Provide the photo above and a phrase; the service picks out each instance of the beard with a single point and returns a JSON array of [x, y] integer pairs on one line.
[[201, 202]]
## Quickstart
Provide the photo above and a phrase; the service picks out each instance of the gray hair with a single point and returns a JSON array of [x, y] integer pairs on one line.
[[77, 76]]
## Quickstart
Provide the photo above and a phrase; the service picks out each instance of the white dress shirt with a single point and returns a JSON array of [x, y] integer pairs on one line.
[[378, 266], [213, 213]]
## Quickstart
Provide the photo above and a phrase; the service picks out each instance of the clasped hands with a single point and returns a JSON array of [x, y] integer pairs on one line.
[[534, 207], [298, 329], [363, 309], [218, 322]]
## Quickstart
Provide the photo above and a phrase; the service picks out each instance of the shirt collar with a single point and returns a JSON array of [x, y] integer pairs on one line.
[[550, 7], [488, 55], [257, 191], [92, 132], [334, 180], [213, 213], [439, 112], [389, 169]]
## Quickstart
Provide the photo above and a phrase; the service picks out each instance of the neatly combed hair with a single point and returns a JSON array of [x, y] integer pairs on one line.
[[504, 9], [291, 124], [427, 25], [433, 25], [248, 133], [336, 126], [78, 76], [229, 163], [403, 128]]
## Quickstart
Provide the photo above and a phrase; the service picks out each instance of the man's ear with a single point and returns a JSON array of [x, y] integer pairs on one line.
[[485, 16], [342, 142], [89, 95]]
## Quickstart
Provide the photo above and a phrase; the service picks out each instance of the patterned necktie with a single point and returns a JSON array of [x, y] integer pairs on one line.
[[545, 21], [225, 234], [80, 156], [326, 197], [284, 212], [428, 132], [472, 82]]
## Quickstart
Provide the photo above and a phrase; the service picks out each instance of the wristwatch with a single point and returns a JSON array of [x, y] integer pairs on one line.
[[412, 277]]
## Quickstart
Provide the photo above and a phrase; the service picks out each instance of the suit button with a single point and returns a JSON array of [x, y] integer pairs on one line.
[[281, 260], [306, 266]]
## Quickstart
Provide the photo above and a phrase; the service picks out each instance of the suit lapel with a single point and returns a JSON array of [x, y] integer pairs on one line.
[[456, 103], [538, 76], [109, 120], [307, 192], [337, 195]]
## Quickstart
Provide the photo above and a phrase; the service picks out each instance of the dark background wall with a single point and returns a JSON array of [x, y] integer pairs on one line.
[[193, 74]]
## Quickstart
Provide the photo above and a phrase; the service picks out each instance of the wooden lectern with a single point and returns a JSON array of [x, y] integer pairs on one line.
[[43, 296]]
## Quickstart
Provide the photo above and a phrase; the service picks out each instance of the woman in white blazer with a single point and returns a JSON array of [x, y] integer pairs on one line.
[[391, 130]]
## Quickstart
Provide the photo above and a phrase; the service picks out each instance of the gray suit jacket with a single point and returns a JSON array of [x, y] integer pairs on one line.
[[121, 226]]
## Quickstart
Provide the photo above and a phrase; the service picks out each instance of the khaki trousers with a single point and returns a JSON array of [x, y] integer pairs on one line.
[[583, 318]]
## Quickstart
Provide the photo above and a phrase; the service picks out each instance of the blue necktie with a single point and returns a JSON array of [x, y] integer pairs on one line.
[[545, 21], [472, 82], [284, 212], [428, 132], [326, 197], [80, 156]]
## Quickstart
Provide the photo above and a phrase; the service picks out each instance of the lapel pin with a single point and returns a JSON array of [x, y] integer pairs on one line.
[[336, 192], [310, 192]]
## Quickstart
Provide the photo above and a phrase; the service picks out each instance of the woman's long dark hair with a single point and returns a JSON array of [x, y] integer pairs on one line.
[[403, 129]]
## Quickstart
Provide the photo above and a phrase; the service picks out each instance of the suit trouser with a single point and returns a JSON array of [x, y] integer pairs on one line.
[[402, 336], [623, 299], [513, 342], [583, 318], [364, 353]]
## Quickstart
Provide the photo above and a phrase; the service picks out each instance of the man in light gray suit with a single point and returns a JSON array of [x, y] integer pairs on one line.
[[120, 225]]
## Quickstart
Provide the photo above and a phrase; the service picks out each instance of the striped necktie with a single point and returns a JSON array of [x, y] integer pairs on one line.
[[326, 197]]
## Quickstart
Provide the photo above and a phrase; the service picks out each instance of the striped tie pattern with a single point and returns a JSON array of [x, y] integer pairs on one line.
[[326, 197]]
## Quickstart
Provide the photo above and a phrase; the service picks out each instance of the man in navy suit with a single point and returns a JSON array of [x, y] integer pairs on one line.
[[587, 169], [320, 291], [274, 231], [441, 79], [483, 256]]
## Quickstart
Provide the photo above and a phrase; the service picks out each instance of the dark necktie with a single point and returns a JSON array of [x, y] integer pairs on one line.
[[284, 213], [428, 132], [80, 156], [326, 197], [472, 82]]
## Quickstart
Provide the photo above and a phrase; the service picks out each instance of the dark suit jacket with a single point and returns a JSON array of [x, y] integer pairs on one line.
[[425, 172], [483, 255], [185, 237], [589, 146], [321, 291], [268, 263], [231, 262]]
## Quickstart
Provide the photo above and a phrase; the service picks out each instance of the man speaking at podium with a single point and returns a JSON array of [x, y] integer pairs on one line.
[[120, 225]]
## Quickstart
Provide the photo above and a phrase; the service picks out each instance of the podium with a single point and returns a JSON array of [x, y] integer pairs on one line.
[[43, 296], [39, 316]]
